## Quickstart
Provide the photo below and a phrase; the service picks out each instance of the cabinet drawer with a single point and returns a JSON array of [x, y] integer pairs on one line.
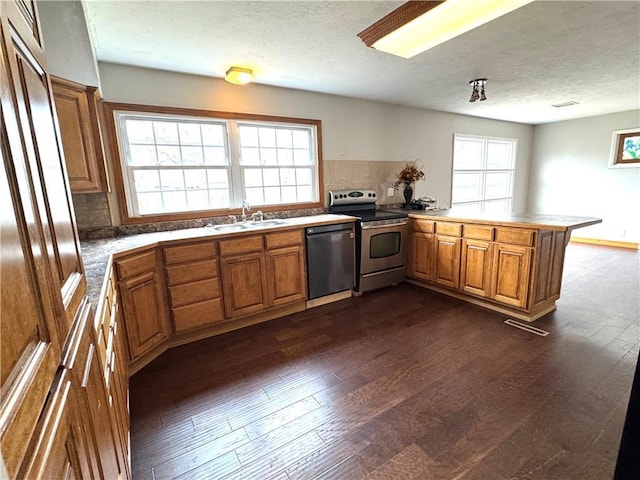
[[135, 264], [197, 315], [283, 239], [194, 292], [189, 272], [451, 229], [515, 237], [188, 253], [478, 232], [424, 226], [241, 245]]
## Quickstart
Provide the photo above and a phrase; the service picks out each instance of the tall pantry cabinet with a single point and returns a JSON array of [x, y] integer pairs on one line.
[[46, 429]]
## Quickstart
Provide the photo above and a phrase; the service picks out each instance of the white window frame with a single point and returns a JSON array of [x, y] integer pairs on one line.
[[482, 199], [236, 183]]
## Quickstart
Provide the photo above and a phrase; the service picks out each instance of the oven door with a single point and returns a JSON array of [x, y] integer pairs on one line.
[[383, 245]]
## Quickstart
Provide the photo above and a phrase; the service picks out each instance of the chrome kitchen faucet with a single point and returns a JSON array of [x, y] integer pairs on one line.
[[245, 208]]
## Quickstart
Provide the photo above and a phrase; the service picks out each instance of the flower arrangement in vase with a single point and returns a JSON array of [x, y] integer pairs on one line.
[[410, 174]]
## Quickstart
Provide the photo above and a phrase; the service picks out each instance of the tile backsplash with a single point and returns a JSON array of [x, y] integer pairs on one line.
[[378, 176], [92, 210]]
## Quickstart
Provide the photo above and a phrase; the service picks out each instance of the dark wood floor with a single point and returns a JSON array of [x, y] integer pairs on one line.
[[402, 383]]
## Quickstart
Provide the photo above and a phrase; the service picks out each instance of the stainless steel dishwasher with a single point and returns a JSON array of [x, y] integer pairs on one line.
[[330, 259]]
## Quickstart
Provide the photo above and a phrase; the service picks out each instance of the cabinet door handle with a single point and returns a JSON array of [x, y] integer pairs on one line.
[[87, 367]]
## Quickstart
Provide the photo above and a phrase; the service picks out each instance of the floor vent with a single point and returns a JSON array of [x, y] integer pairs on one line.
[[528, 328]]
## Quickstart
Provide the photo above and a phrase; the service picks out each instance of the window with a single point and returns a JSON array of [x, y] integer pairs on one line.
[[483, 173], [182, 164]]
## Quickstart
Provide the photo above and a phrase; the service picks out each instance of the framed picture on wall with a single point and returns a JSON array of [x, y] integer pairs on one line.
[[625, 148]]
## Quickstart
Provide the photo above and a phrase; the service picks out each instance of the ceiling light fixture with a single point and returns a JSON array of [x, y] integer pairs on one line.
[[565, 104], [417, 26], [238, 76], [477, 92]]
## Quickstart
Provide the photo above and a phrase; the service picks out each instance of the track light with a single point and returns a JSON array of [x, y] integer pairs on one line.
[[477, 91]]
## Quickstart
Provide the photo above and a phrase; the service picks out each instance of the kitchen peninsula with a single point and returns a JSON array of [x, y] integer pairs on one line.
[[508, 262]]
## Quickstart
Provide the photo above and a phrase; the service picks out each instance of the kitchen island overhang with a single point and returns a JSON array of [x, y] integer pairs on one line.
[[511, 263]]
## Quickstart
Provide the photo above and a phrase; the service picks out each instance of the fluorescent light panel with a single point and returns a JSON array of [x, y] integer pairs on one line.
[[440, 22]]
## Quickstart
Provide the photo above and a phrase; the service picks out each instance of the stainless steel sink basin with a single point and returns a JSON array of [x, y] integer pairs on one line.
[[234, 227], [240, 227], [269, 223]]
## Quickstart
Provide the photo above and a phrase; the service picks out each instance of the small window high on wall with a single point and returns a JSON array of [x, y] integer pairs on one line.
[[179, 163], [483, 173]]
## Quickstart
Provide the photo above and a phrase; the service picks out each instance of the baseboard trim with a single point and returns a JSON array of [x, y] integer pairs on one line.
[[606, 243]]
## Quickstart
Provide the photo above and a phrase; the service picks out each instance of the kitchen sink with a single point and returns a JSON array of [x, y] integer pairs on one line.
[[269, 223], [234, 227], [240, 227]]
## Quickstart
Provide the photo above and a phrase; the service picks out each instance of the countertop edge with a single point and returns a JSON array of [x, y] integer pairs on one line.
[[543, 222]]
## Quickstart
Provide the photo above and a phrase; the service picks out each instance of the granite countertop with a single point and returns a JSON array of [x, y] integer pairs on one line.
[[97, 254], [535, 220]]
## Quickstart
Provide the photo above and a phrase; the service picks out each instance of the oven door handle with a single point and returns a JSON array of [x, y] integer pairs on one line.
[[372, 227]]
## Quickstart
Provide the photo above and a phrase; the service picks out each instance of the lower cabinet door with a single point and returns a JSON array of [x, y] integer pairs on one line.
[[421, 261], [244, 284], [286, 275], [475, 270], [144, 313], [447, 264], [511, 274]]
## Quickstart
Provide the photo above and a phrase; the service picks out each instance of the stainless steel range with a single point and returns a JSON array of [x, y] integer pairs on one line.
[[381, 238]]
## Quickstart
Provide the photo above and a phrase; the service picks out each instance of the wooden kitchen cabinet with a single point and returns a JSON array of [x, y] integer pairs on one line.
[[511, 267], [41, 433], [195, 292], [57, 451], [475, 270], [286, 270], [421, 263], [109, 396], [511, 274], [447, 261], [244, 283], [264, 271], [143, 302], [77, 112]]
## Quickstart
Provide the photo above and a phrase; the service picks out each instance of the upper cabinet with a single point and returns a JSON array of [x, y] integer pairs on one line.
[[77, 110]]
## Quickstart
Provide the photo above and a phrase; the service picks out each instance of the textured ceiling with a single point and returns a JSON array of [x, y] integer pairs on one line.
[[545, 53]]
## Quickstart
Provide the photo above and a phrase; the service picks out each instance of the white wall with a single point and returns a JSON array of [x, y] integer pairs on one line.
[[570, 175], [67, 43], [351, 129]]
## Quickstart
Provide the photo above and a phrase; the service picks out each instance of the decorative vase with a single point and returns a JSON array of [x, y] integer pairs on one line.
[[408, 194]]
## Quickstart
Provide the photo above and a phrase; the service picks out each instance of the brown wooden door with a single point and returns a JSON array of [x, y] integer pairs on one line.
[[421, 261], [286, 275], [144, 313], [244, 284], [447, 264], [511, 274], [475, 267]]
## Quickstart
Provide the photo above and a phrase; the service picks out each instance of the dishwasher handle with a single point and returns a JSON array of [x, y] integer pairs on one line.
[[329, 228]]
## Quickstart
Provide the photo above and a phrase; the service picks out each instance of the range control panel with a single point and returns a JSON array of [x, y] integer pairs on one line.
[[352, 197]]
